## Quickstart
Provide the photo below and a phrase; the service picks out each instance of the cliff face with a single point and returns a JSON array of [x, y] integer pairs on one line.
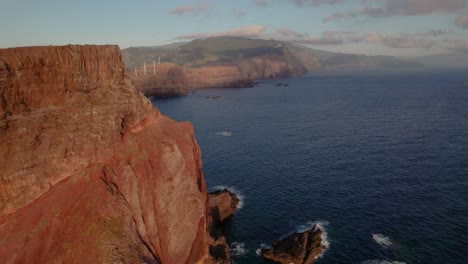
[[89, 170], [168, 79], [171, 79], [220, 62]]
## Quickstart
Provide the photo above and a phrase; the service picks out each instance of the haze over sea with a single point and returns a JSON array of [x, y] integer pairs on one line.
[[381, 158]]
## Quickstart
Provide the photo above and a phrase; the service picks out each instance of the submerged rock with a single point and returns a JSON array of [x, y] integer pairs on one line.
[[297, 248]]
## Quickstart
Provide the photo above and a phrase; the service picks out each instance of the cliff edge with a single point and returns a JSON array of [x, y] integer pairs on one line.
[[90, 172]]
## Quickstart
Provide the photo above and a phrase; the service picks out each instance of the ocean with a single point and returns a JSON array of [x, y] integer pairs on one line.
[[379, 159]]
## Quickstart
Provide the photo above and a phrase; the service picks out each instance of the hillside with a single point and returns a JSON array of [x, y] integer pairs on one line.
[[333, 60], [444, 60], [224, 51], [241, 60], [217, 51]]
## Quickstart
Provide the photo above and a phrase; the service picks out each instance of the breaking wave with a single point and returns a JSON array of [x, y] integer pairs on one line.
[[238, 249], [382, 240], [320, 225], [302, 228], [225, 133], [259, 250], [324, 236]]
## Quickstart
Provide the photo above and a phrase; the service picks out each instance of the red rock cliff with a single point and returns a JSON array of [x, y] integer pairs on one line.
[[90, 172]]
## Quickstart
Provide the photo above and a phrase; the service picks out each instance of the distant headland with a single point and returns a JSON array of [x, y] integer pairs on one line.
[[225, 62]]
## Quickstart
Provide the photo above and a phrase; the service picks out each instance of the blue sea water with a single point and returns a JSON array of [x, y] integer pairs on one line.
[[380, 158]]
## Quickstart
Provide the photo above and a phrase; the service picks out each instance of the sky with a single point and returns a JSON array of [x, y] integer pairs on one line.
[[387, 27]]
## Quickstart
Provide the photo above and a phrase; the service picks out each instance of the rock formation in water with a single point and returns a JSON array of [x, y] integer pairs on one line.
[[222, 204], [90, 172], [298, 248]]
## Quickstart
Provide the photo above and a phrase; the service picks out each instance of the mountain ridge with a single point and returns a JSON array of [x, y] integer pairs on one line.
[[202, 63], [232, 48]]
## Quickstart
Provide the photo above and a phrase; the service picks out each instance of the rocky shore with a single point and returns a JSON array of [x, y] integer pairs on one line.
[[91, 172]]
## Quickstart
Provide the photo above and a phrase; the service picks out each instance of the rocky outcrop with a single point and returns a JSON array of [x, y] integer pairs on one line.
[[90, 172], [222, 204], [297, 248]]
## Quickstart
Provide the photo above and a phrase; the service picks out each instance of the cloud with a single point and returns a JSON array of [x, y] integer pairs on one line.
[[254, 31], [194, 9], [423, 40], [289, 33], [368, 11], [462, 21], [239, 12], [258, 31], [316, 2], [422, 7], [402, 8], [264, 3], [323, 40], [315, 41], [457, 45], [399, 41], [435, 32]]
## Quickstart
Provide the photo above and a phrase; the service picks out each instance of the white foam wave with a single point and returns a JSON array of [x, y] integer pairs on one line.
[[377, 261], [238, 249], [225, 133], [320, 225], [259, 250], [231, 189], [324, 236], [382, 240]]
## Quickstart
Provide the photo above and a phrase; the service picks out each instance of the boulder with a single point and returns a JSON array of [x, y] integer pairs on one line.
[[297, 248]]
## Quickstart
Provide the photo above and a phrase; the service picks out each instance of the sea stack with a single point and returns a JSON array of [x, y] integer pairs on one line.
[[297, 248], [222, 204], [90, 171]]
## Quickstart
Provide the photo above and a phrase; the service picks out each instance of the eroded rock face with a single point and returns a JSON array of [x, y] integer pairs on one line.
[[297, 248], [90, 172], [222, 204], [168, 79]]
